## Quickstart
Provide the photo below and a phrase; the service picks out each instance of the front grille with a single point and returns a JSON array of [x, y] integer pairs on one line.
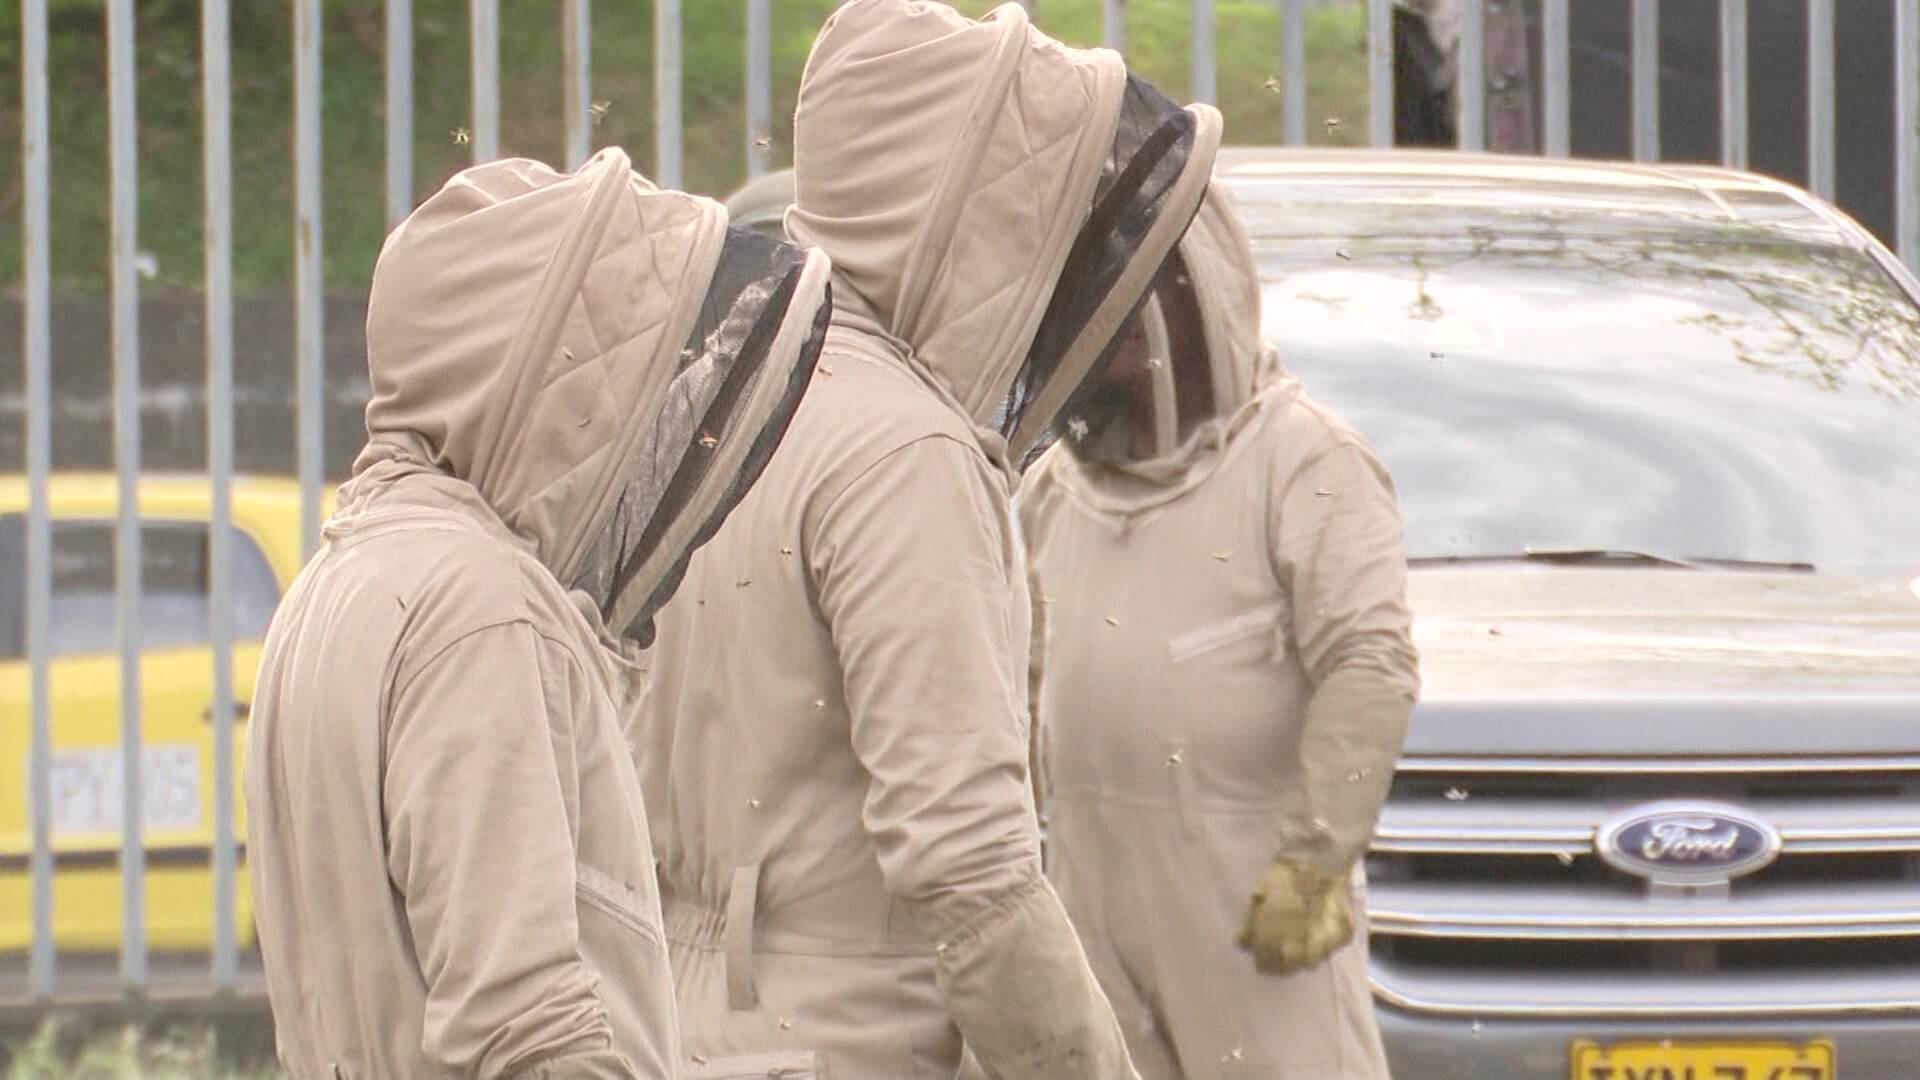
[[1488, 895]]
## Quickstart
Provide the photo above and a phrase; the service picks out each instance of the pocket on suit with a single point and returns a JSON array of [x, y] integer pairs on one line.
[[623, 946], [623, 906], [785, 1065], [1215, 636]]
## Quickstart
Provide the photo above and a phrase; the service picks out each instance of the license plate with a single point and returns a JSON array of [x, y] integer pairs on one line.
[[1666, 1060], [88, 790]]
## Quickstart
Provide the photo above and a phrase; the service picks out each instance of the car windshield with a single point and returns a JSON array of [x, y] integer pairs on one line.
[[1694, 394]]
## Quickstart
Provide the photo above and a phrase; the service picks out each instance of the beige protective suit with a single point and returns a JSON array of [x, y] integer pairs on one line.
[[449, 851], [834, 746], [1194, 602]]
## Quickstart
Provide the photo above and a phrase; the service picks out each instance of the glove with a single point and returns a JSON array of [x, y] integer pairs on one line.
[[1298, 917], [1018, 987], [1355, 725]]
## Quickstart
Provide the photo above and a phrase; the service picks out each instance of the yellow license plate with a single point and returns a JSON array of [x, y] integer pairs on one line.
[[1666, 1060]]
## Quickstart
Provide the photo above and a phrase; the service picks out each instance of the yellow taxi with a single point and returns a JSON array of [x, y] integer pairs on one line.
[[176, 692]]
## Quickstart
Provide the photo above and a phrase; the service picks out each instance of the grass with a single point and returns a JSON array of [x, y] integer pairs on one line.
[[353, 215], [166, 1051]]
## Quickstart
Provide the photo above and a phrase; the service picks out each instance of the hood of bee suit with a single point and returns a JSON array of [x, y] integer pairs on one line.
[[999, 201], [606, 363], [1236, 373], [1226, 285]]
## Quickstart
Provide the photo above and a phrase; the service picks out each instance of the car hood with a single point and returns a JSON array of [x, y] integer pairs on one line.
[[1531, 632]]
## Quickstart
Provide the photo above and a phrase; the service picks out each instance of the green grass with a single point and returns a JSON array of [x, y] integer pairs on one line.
[[353, 213]]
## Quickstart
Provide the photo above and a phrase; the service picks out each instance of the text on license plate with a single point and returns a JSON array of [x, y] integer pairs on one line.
[[88, 789], [1667, 1060]]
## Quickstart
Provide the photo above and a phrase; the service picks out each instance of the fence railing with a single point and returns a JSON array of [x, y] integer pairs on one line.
[[223, 971]]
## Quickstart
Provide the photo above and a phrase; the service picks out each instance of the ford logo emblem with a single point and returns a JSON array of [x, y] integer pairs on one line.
[[1687, 843]]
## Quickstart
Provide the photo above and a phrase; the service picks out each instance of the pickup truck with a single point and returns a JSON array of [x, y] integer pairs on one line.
[[1656, 436]]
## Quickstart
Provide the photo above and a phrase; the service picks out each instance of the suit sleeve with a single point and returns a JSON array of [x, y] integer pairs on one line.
[[922, 583], [916, 564], [480, 848], [1341, 558], [1340, 555]]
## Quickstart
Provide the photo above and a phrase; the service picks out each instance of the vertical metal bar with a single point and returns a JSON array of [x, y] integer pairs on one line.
[[1113, 25], [217, 149], [399, 77], [1906, 125], [37, 345], [1294, 55], [666, 92], [1733, 83], [1473, 75], [1205, 79], [1554, 63], [484, 37], [123, 155], [1646, 80], [1820, 97], [576, 34], [307, 279], [1380, 71], [759, 88]]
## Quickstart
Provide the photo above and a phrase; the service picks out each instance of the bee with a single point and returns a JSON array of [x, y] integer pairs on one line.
[[599, 111], [461, 136]]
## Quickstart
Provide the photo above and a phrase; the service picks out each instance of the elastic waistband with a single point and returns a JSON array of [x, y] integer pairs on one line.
[[738, 931]]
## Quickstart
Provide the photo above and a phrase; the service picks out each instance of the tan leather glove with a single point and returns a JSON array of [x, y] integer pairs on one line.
[[1298, 917], [1018, 987], [1355, 725]]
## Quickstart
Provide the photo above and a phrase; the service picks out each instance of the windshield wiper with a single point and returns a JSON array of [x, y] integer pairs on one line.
[[1612, 557]]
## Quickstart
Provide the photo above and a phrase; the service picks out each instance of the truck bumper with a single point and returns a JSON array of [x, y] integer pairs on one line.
[[1423, 1047]]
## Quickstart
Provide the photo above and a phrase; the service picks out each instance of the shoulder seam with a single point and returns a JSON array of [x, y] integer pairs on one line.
[[833, 500], [464, 636]]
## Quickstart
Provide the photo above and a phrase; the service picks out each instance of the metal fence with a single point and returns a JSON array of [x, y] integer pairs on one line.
[[223, 971]]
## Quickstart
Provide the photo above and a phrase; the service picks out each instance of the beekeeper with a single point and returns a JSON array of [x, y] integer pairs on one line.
[[1226, 683], [834, 746], [573, 377]]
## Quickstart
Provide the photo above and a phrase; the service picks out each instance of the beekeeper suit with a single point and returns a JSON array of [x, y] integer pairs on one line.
[[1226, 683], [834, 746], [573, 378]]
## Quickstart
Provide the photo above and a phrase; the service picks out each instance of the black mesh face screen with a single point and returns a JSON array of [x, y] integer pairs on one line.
[[1113, 416], [727, 354], [1151, 149], [772, 431]]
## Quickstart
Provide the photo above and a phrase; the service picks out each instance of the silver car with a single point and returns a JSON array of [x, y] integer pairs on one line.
[[1656, 434]]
